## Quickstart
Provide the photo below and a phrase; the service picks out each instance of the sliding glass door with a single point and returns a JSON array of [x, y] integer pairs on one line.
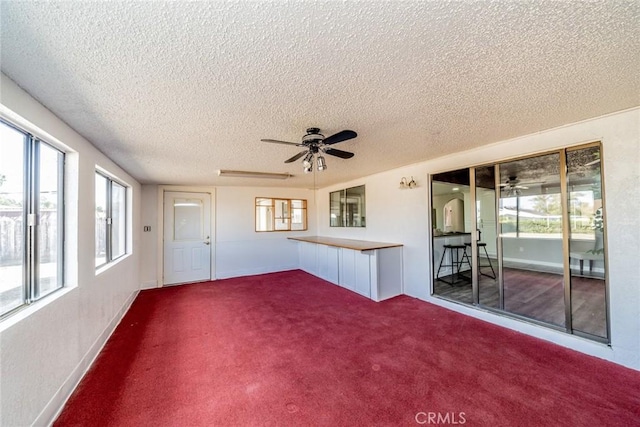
[[451, 223], [531, 237], [586, 244], [528, 239], [490, 293]]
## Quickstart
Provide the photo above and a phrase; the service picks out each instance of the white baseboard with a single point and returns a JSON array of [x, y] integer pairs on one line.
[[149, 284], [254, 271], [574, 264], [53, 408], [533, 262]]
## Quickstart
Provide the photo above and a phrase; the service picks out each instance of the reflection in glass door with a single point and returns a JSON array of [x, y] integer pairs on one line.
[[487, 238], [531, 237], [451, 222], [586, 244]]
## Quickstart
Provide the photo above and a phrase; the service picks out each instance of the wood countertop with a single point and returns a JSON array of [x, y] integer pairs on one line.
[[358, 245], [454, 234]]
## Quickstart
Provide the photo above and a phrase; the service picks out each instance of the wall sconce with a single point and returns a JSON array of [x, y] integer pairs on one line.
[[411, 184]]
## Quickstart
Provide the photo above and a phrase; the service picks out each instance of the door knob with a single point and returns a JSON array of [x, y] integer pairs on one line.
[[207, 243]]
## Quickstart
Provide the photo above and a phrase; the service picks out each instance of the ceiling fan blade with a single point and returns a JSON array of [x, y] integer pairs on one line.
[[339, 153], [275, 141], [339, 137], [297, 156], [593, 162]]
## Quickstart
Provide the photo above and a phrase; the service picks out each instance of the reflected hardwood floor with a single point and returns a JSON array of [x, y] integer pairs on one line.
[[538, 295]]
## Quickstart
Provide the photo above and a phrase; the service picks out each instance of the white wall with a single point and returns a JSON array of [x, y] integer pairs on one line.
[[530, 250], [438, 205], [394, 215], [45, 348], [401, 216], [149, 240], [239, 249]]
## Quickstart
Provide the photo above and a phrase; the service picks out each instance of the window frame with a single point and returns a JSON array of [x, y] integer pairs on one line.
[[342, 219], [288, 218], [31, 215], [109, 229]]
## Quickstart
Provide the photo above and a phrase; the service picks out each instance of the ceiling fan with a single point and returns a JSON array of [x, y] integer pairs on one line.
[[315, 143], [513, 182], [512, 186]]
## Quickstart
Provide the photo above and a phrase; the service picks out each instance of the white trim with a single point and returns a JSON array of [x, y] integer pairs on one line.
[[111, 176], [256, 271], [150, 284], [26, 126], [56, 404], [573, 342], [526, 261], [108, 265]]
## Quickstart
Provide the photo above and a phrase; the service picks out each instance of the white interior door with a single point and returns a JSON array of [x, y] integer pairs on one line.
[[187, 237]]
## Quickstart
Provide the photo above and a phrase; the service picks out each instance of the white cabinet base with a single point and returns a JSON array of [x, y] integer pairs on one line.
[[375, 273], [386, 274]]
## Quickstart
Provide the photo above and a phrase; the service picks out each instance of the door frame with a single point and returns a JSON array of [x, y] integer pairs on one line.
[[160, 235]]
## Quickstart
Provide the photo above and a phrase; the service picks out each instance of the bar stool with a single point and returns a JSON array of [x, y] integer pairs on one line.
[[483, 246], [456, 262]]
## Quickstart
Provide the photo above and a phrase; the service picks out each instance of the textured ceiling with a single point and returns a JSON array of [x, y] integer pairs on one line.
[[174, 91]]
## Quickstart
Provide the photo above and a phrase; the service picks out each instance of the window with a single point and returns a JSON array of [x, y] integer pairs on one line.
[[280, 214], [532, 216], [347, 207], [31, 218], [111, 222], [530, 200]]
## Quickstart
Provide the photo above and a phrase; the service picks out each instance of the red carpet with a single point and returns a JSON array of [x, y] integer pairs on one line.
[[288, 349]]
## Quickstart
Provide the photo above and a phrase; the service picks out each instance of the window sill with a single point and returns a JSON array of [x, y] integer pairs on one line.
[[107, 266], [30, 309]]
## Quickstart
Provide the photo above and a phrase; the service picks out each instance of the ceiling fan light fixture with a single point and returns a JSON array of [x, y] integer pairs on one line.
[[513, 192], [322, 165], [307, 168], [308, 160], [307, 163]]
